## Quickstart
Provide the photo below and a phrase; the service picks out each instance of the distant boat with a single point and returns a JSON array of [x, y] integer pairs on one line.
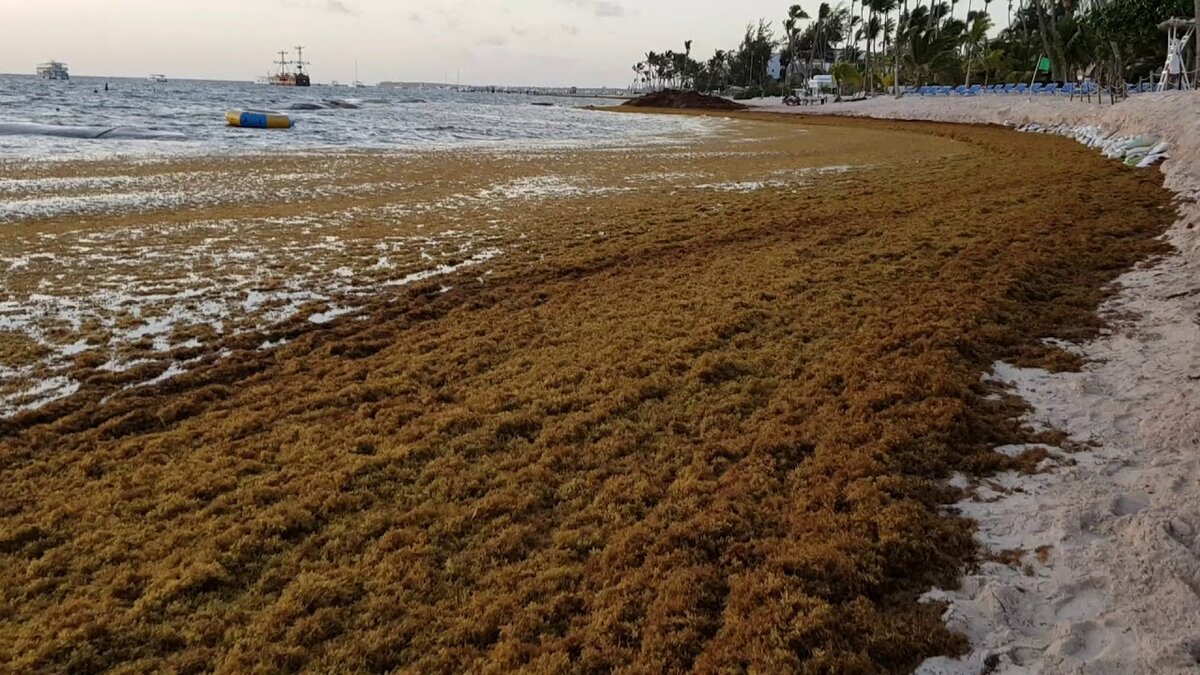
[[357, 83], [53, 70], [157, 78], [288, 78]]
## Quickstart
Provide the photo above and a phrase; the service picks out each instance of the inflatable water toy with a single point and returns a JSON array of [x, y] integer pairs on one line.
[[94, 132], [258, 119]]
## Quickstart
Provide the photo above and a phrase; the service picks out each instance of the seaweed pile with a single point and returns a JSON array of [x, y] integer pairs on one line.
[[683, 100], [682, 430]]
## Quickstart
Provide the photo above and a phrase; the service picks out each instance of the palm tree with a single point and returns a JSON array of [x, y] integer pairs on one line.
[[670, 66], [791, 33], [979, 23], [861, 34], [788, 58], [821, 34], [851, 20], [687, 61], [874, 32], [846, 75], [875, 27], [719, 64], [889, 29], [931, 48], [1047, 24]]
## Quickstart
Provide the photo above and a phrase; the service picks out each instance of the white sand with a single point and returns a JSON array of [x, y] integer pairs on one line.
[[1119, 591]]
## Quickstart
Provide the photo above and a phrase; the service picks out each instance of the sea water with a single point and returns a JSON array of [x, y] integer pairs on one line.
[[80, 119]]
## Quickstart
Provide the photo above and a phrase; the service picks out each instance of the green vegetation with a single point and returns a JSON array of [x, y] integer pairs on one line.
[[951, 42]]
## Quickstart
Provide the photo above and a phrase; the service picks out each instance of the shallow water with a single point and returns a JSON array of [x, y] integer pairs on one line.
[[78, 119]]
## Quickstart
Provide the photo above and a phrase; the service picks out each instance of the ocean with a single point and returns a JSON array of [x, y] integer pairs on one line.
[[78, 119]]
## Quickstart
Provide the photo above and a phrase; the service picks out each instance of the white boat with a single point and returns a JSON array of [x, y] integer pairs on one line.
[[53, 70], [158, 78], [357, 83]]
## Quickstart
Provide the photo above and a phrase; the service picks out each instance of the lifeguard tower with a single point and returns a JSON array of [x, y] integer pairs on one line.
[[1179, 33]]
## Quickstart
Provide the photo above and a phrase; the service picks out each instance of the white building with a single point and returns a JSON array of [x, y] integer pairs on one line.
[[775, 67]]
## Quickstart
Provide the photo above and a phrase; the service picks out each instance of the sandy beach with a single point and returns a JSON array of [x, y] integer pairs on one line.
[[1104, 561], [700, 404]]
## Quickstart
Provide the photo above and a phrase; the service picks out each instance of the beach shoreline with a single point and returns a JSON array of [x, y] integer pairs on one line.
[[1108, 544], [712, 390], [184, 241]]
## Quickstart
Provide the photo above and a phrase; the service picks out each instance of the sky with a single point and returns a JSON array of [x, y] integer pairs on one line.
[[503, 42], [585, 43]]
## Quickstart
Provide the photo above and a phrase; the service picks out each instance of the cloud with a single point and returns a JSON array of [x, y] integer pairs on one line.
[[569, 29], [492, 41], [331, 6], [605, 8], [601, 8]]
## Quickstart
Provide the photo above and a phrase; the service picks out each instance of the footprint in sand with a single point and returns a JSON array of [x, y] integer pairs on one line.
[[1125, 505], [1180, 530], [1082, 640], [1125, 423], [1080, 600]]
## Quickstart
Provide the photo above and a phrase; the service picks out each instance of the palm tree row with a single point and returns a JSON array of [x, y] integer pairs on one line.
[[916, 42], [668, 69]]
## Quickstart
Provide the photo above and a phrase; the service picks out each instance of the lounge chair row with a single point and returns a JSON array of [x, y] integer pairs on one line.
[[1037, 89]]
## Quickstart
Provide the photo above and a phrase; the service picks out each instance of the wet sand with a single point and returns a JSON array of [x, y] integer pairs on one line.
[[135, 267], [670, 407]]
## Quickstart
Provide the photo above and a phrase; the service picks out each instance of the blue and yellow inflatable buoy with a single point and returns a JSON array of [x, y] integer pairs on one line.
[[258, 119]]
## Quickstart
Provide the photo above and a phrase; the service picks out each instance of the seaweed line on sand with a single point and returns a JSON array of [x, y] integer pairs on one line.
[[1101, 554], [673, 430]]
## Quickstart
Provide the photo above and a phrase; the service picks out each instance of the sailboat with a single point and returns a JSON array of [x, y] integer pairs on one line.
[[357, 83], [285, 78]]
